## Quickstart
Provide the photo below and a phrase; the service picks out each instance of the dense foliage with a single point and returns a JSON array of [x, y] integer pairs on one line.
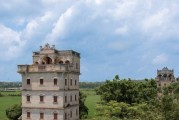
[[82, 108], [126, 99], [14, 112], [127, 91]]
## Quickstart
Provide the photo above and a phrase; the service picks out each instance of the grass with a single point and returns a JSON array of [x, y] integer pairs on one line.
[[7, 93], [91, 101], [6, 102]]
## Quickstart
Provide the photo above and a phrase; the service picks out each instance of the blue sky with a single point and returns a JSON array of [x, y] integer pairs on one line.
[[131, 38]]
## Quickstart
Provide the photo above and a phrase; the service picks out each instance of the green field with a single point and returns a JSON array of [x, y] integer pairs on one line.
[[91, 101], [6, 102]]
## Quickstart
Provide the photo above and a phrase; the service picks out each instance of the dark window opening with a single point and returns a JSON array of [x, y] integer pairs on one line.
[[76, 65], [71, 82], [28, 81], [48, 60], [67, 62], [60, 62], [55, 116], [41, 115], [65, 99], [75, 97], [28, 114], [41, 81], [41, 98], [55, 81], [75, 82], [28, 98], [55, 99], [65, 116], [71, 98], [65, 81]]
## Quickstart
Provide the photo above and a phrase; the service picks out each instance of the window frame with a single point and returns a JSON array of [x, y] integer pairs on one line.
[[55, 81], [41, 115], [41, 99], [28, 81], [28, 115], [41, 81], [55, 99], [28, 98]]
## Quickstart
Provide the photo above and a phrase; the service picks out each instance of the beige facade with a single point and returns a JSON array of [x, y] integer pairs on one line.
[[50, 86]]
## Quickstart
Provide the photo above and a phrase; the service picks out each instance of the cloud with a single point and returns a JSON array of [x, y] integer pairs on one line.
[[118, 35], [11, 43], [160, 59]]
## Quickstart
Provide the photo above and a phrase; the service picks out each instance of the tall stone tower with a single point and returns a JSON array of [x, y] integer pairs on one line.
[[165, 77], [50, 86]]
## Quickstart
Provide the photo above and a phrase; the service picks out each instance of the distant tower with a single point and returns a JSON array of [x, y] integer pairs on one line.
[[165, 77], [50, 86]]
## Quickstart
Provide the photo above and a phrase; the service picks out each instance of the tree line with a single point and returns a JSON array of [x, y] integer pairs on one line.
[[130, 100]]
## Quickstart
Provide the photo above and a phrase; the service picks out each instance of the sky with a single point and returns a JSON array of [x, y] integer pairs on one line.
[[131, 38]]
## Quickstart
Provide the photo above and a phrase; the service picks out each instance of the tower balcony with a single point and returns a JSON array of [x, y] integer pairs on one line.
[[46, 68]]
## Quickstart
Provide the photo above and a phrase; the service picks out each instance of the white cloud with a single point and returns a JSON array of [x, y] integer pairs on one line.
[[97, 28], [160, 59], [11, 43]]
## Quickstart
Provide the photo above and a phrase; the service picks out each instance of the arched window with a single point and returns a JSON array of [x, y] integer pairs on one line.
[[60, 62], [67, 62], [48, 60]]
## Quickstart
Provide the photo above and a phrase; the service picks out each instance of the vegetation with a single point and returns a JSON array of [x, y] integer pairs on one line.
[[14, 112], [10, 84], [119, 100], [126, 99], [89, 85], [82, 108], [7, 102]]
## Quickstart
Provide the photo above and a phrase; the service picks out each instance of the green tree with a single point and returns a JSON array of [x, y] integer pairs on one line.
[[82, 108], [14, 112]]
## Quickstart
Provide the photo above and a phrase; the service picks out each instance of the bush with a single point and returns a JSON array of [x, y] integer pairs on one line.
[[14, 112]]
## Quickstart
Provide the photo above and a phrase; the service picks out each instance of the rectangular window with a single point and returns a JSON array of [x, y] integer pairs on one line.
[[55, 116], [65, 99], [76, 65], [71, 82], [75, 97], [41, 115], [75, 82], [28, 98], [65, 81], [41, 81], [71, 98], [65, 116], [55, 99], [55, 81], [28, 81], [41, 98], [28, 114]]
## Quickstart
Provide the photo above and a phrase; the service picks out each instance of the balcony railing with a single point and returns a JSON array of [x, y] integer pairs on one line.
[[45, 68]]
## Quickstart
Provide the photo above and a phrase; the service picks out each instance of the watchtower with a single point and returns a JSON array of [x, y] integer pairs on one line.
[[165, 77], [50, 85]]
